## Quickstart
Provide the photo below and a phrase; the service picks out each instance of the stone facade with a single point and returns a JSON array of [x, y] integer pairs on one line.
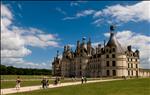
[[110, 60]]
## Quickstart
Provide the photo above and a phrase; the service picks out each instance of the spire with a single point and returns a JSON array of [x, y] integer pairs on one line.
[[57, 53], [83, 39]]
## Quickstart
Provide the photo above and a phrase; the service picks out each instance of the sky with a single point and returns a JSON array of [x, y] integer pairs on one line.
[[32, 31]]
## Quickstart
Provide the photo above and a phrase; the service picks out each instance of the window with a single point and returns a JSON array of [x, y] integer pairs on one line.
[[132, 73], [107, 63], [131, 59], [109, 51], [131, 65], [128, 65], [136, 73], [136, 60], [113, 56], [107, 72], [136, 65], [128, 73], [114, 72], [113, 49], [106, 50], [107, 56], [113, 63]]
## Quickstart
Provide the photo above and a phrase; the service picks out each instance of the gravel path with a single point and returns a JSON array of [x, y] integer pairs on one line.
[[31, 88]]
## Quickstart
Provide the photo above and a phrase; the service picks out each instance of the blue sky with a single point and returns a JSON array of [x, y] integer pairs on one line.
[[44, 27]]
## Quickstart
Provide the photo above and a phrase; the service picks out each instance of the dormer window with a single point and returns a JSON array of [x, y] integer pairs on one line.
[[114, 50], [106, 50]]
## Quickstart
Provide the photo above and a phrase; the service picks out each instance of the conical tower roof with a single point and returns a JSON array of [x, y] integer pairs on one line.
[[113, 42]]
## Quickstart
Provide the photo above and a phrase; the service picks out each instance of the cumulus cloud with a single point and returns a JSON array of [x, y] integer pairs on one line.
[[117, 13], [14, 40], [125, 13], [137, 41]]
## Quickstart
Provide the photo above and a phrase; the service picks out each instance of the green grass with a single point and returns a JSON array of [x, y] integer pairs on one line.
[[13, 77], [9, 81], [12, 84], [122, 87]]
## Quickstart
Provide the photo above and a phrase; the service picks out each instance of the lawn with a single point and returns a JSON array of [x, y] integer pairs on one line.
[[122, 87], [13, 77], [8, 81]]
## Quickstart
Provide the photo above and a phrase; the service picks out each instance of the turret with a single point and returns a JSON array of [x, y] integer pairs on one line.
[[113, 42]]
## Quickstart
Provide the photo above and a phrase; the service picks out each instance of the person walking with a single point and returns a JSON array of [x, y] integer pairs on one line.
[[47, 84], [18, 81], [58, 79], [43, 83], [82, 79]]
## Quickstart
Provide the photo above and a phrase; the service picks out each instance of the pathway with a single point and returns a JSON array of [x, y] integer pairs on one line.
[[31, 88]]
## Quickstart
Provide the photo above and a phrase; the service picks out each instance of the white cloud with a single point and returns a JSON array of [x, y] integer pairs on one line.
[[80, 14], [21, 63], [14, 41], [138, 41], [125, 13], [5, 12], [117, 13]]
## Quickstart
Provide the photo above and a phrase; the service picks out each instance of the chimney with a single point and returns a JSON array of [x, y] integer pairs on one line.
[[129, 48]]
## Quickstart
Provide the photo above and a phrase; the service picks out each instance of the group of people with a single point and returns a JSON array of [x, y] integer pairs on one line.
[[83, 79], [45, 83]]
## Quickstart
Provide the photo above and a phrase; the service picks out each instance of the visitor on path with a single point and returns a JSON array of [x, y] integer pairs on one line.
[[47, 84], [85, 79], [82, 79], [43, 83], [18, 81], [56, 81]]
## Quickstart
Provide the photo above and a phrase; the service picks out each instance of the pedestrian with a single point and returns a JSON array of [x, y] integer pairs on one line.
[[58, 79], [82, 79], [47, 84], [85, 79], [43, 83], [18, 81]]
